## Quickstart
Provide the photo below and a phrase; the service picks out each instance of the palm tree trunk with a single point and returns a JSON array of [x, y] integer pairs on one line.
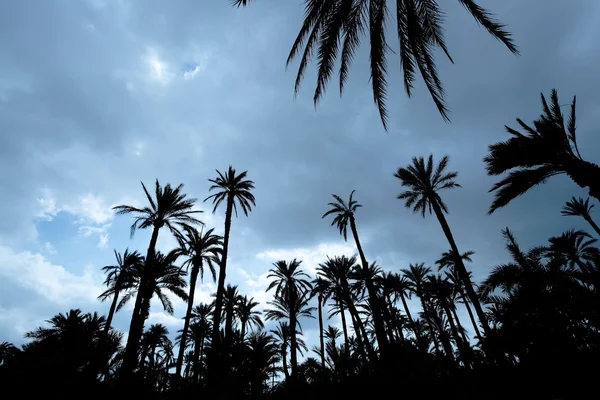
[[592, 224], [222, 273], [459, 326], [322, 342], [359, 327], [284, 365], [427, 314], [373, 299], [413, 325], [293, 340], [186, 322], [456, 335], [461, 269], [471, 316], [344, 328], [243, 331], [111, 312], [136, 327], [197, 357]]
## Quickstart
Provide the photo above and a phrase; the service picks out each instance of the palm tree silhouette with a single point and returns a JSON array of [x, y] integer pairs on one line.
[[547, 149], [334, 29], [581, 208], [231, 298], [576, 249], [121, 276], [292, 290], [320, 289], [201, 248], [424, 182], [233, 190], [344, 215], [169, 208], [248, 315]]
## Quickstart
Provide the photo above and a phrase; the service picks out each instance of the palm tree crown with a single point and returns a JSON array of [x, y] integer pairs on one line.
[[344, 212], [170, 208], [335, 28], [236, 186], [548, 148], [424, 182]]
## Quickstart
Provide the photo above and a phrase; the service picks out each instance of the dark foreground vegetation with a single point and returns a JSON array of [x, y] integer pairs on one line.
[[532, 328]]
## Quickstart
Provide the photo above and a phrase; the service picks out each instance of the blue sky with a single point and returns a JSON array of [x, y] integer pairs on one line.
[[98, 95]]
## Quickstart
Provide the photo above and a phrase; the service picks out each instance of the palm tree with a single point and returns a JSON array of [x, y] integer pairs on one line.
[[335, 29], [164, 276], [576, 248], [423, 183], [547, 149], [201, 330], [169, 208], [320, 289], [248, 315], [8, 351], [580, 208], [230, 303], [153, 340], [291, 288], [282, 332], [233, 189], [447, 261], [201, 248], [344, 214], [121, 276]]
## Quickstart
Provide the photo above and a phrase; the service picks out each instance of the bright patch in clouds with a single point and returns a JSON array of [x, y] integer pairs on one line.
[[311, 256], [54, 282], [158, 69], [191, 72]]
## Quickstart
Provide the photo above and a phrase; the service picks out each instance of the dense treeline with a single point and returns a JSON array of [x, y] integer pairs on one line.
[[532, 328]]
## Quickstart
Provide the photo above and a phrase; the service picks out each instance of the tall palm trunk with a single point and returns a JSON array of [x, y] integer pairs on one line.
[[457, 338], [427, 313], [229, 311], [359, 327], [459, 326], [196, 359], [111, 311], [321, 341], [293, 340], [243, 331], [373, 297], [470, 312], [216, 338], [413, 324], [344, 328], [461, 269], [284, 365], [136, 327], [188, 316]]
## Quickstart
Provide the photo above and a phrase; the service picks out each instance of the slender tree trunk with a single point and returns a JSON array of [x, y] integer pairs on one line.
[[456, 335], [293, 340], [344, 328], [284, 365], [136, 327], [321, 341], [413, 325], [427, 313], [360, 327], [359, 337], [197, 356], [214, 369], [461, 269], [188, 315], [459, 326], [243, 331], [222, 273], [111, 312], [471, 316], [373, 296]]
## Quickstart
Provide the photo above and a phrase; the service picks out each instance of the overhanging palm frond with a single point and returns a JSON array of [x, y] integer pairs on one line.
[[334, 29]]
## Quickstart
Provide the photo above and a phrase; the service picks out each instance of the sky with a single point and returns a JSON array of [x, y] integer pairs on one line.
[[98, 95]]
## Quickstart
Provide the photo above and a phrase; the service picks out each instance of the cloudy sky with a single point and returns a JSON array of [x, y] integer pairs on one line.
[[98, 95]]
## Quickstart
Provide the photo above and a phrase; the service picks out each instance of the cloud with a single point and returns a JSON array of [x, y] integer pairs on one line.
[[53, 282], [311, 257]]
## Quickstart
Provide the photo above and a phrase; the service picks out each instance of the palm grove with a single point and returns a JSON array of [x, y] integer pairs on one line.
[[533, 321]]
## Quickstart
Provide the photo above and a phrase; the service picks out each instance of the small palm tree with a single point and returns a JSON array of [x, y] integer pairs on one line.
[[201, 248], [423, 182], [170, 208], [547, 149], [320, 289], [248, 315], [7, 352], [576, 248], [334, 29], [581, 208], [344, 215], [292, 292], [120, 277], [233, 189]]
